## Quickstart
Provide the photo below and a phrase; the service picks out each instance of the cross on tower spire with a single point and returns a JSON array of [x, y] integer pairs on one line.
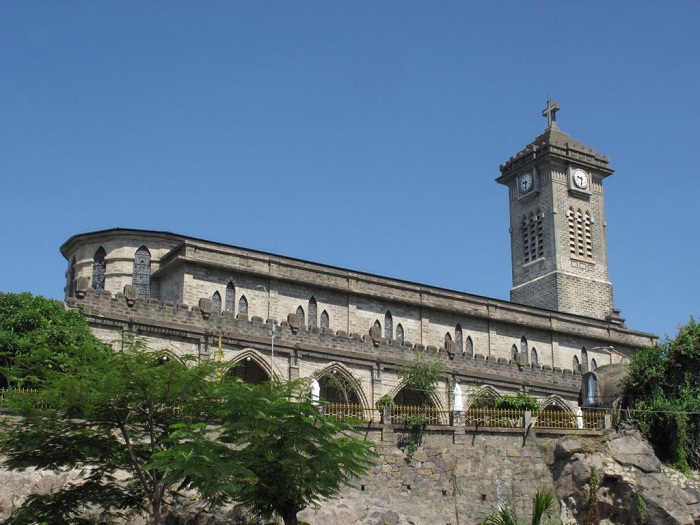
[[551, 113]]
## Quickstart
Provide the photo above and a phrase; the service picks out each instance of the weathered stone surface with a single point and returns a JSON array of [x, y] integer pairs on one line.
[[630, 450], [461, 484]]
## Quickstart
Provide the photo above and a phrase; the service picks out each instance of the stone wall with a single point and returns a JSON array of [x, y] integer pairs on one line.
[[457, 477]]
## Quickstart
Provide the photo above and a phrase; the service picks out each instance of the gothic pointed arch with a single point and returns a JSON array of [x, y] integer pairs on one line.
[[339, 369], [325, 320], [301, 316], [250, 367], [584, 356], [556, 402], [388, 326], [399, 334], [313, 312], [594, 364], [459, 338], [575, 363], [534, 358], [513, 352], [142, 272], [216, 301], [99, 269], [485, 395], [469, 346], [243, 305], [523, 344], [377, 324], [230, 300], [406, 396], [448, 337]]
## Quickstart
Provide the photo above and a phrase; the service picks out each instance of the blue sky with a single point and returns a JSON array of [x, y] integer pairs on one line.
[[365, 135]]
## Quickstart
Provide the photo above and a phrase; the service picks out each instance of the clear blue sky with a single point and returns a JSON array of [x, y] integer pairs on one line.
[[365, 135]]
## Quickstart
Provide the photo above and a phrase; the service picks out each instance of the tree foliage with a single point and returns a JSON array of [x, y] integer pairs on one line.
[[422, 375], [295, 456], [107, 413], [518, 401], [32, 326], [663, 383], [142, 425], [542, 507]]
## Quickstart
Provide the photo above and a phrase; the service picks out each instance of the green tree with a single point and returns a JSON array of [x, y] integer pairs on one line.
[[295, 456], [542, 506], [663, 385], [422, 375], [108, 413], [518, 401], [32, 326]]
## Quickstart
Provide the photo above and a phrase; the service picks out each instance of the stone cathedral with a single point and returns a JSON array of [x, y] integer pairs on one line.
[[261, 315]]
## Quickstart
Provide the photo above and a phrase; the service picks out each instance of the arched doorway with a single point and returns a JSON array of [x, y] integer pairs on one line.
[[337, 388], [249, 371]]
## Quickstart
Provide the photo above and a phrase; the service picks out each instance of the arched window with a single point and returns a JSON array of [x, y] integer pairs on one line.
[[99, 267], [216, 301], [513, 352], [300, 315], [458, 338], [469, 346], [378, 325], [594, 364], [230, 297], [533, 242], [388, 327], [533, 356], [584, 356], [590, 390], [313, 309], [325, 320], [575, 363], [142, 272], [71, 279], [448, 337], [399, 333], [523, 344], [580, 233], [243, 305]]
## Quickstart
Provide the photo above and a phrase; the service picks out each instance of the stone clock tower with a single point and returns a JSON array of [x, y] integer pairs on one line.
[[557, 225]]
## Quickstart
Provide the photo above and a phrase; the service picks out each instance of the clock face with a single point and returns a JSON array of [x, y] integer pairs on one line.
[[525, 182], [581, 179]]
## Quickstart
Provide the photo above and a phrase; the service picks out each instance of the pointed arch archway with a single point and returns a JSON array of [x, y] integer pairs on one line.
[[250, 366], [556, 402], [485, 395], [339, 369]]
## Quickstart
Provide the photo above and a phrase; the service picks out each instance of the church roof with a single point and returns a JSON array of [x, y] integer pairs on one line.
[[556, 143]]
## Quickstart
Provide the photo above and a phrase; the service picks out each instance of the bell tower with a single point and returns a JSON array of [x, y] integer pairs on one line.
[[557, 225]]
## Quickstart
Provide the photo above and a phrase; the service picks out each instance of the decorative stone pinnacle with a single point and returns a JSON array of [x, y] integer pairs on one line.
[[551, 113]]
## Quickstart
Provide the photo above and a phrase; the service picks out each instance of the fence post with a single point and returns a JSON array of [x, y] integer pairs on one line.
[[607, 421], [386, 415], [527, 419]]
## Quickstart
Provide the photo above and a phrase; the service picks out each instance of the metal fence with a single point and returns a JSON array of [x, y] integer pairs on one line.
[[494, 418], [347, 411], [431, 416], [474, 417]]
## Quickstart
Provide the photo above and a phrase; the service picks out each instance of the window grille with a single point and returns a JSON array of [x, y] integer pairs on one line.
[[142, 272]]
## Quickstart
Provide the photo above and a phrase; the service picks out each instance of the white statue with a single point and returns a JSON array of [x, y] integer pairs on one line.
[[315, 391], [458, 404]]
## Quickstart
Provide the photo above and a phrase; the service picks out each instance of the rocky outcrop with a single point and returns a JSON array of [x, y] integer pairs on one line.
[[458, 484], [635, 487]]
